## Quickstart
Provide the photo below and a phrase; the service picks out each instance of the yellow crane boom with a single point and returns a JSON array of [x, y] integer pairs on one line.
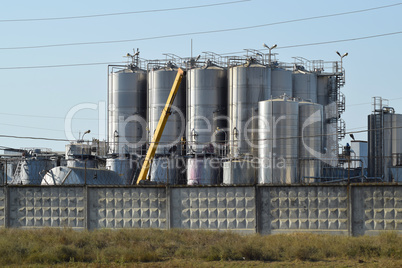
[[160, 127]]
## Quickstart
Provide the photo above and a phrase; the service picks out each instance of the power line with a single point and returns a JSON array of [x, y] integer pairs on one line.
[[49, 117], [278, 138], [202, 32], [121, 13], [59, 65], [222, 54]]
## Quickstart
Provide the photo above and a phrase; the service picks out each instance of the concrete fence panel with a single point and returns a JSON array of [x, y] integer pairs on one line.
[[376, 208], [37, 207], [214, 208], [129, 207], [286, 209]]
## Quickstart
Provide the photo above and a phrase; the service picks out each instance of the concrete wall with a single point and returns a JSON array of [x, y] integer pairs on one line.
[[348, 210]]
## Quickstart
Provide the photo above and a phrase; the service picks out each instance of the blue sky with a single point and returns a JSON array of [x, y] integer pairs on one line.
[[35, 102]]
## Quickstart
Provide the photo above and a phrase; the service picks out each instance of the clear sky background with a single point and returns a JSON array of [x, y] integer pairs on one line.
[[36, 101]]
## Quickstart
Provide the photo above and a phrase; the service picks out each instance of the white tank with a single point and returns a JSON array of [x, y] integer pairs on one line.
[[305, 86], [281, 82], [310, 143], [278, 141]]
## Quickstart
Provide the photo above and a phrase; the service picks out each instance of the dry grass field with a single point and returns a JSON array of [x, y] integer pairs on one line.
[[185, 248]]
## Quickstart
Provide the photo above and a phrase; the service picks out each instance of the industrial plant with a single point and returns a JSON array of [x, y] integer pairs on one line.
[[221, 120]]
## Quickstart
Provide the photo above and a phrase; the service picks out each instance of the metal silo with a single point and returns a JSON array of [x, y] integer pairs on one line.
[[124, 167], [206, 108], [248, 84], [240, 171], [167, 170], [281, 82], [384, 142], [204, 171], [305, 86], [30, 171], [310, 143], [278, 127], [160, 81], [127, 110]]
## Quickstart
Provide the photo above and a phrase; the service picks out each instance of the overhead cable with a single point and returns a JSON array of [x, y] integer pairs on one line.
[[195, 33], [121, 13]]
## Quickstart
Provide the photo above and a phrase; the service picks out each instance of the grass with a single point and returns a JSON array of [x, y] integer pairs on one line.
[[160, 248]]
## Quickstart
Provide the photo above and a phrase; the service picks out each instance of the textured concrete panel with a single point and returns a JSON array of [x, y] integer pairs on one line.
[[127, 208], [214, 208], [303, 208], [378, 208], [36, 207]]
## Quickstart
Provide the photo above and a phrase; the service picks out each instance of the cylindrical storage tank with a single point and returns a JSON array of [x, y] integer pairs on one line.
[[204, 171], [278, 127], [360, 155], [31, 171], [310, 141], [206, 109], [385, 143], [396, 139], [166, 170], [281, 82], [323, 89], [305, 86], [240, 171], [125, 168], [160, 83], [248, 84], [127, 124]]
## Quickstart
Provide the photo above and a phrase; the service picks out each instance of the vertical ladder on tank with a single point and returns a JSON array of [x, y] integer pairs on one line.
[[378, 135]]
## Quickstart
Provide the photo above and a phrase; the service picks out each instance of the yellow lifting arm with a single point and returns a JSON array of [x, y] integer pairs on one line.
[[161, 125]]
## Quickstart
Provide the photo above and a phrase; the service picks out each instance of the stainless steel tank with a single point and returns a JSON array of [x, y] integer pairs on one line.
[[124, 167], [385, 143], [206, 108], [127, 116], [166, 170], [281, 82], [305, 86], [204, 171], [30, 171], [310, 141], [160, 82], [248, 84], [278, 127], [240, 171]]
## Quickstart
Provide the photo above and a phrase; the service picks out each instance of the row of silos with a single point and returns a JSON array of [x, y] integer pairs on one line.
[[213, 114]]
